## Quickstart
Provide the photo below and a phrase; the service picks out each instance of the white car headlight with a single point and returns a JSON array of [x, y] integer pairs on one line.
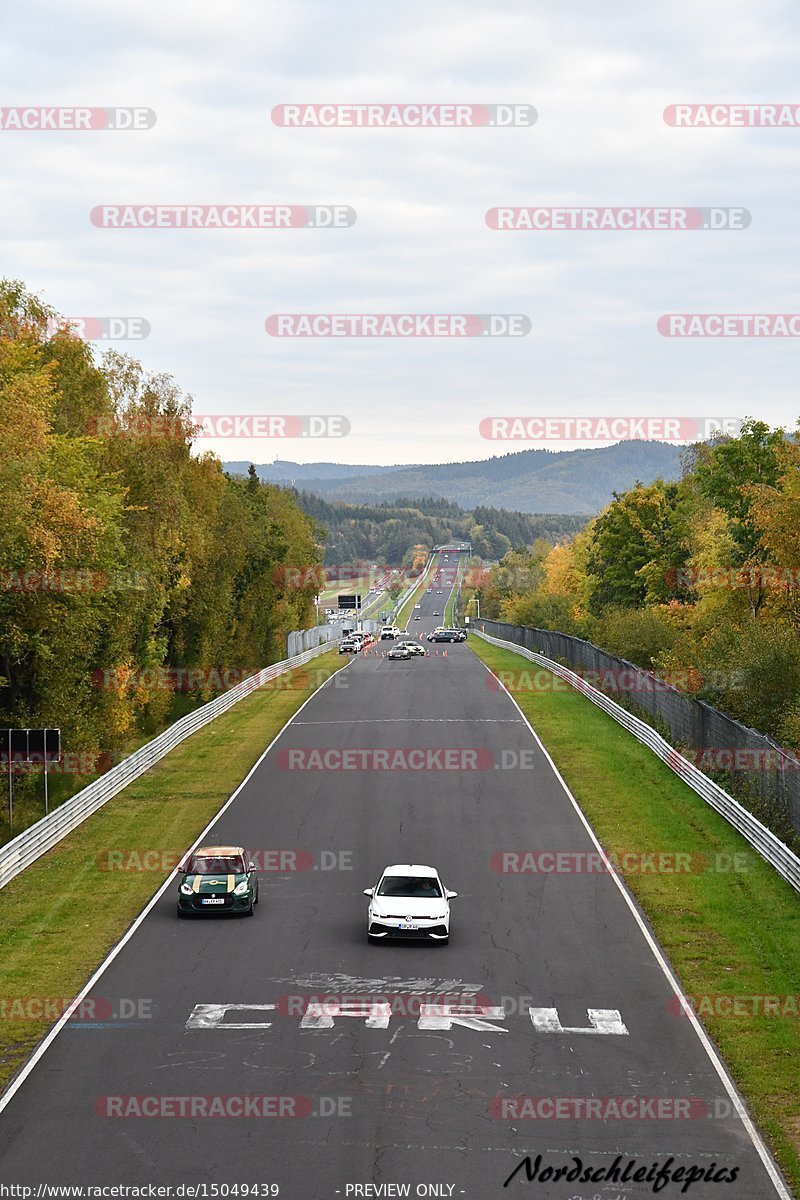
[[242, 888], [186, 889]]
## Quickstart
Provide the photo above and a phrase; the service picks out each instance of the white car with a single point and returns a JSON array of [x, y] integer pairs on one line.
[[409, 902], [399, 652], [411, 647]]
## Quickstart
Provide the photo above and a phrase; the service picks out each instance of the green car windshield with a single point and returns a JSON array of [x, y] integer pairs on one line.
[[230, 864]]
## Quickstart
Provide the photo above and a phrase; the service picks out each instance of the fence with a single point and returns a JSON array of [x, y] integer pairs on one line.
[[24, 849], [306, 639], [322, 635], [768, 844]]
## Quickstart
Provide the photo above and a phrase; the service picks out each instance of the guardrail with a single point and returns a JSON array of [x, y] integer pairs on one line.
[[24, 849], [763, 840]]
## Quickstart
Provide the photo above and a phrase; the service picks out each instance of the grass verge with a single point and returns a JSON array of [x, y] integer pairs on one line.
[[726, 933], [405, 613], [449, 608], [51, 940]]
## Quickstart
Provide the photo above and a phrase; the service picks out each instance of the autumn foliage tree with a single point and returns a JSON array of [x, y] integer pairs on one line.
[[123, 551]]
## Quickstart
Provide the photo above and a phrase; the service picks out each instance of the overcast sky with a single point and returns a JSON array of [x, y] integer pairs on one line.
[[599, 77]]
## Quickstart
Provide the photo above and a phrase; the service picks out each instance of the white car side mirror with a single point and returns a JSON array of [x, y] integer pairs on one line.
[[369, 891], [450, 895]]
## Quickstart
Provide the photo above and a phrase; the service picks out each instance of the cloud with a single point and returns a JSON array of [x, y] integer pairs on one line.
[[599, 79]]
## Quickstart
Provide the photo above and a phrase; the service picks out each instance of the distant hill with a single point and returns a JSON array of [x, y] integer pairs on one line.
[[529, 481], [394, 530], [287, 472]]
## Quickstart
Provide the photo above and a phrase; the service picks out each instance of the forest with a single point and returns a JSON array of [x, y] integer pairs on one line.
[[390, 532], [697, 579], [130, 567]]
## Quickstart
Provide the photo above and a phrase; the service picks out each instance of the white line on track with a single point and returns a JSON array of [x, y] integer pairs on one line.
[[18, 1080], [423, 720], [727, 1082]]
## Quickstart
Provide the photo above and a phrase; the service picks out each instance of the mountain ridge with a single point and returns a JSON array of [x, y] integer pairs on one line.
[[532, 481]]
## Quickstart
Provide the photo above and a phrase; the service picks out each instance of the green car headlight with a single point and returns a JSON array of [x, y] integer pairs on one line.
[[242, 888], [186, 889]]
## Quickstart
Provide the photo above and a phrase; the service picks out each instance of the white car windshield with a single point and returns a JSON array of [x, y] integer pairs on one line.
[[419, 887]]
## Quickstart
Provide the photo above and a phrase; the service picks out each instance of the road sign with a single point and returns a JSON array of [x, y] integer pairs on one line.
[[349, 602], [28, 746]]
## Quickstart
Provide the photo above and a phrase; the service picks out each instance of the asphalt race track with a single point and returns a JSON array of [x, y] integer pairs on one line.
[[399, 1090]]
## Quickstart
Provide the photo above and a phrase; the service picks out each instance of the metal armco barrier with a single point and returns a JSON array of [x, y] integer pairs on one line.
[[24, 849], [770, 847]]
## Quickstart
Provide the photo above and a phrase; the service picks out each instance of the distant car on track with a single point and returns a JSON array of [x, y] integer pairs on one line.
[[399, 652], [349, 646], [218, 879], [409, 902]]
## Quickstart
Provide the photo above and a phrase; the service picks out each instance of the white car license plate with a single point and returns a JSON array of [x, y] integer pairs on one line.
[[405, 925], [212, 900]]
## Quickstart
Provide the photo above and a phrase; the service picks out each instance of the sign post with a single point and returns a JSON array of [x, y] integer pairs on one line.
[[29, 746]]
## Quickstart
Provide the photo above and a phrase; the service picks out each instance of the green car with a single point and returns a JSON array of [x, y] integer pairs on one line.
[[218, 879]]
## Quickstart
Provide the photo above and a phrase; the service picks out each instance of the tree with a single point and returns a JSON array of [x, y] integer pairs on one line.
[[626, 537]]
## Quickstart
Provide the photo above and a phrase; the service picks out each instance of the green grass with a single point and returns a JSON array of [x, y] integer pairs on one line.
[[449, 608], [725, 933], [51, 940], [406, 611]]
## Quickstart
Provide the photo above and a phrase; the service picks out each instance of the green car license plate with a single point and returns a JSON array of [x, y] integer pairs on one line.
[[212, 900]]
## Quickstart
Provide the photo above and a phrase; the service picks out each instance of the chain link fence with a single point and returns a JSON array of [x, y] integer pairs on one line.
[[760, 773]]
